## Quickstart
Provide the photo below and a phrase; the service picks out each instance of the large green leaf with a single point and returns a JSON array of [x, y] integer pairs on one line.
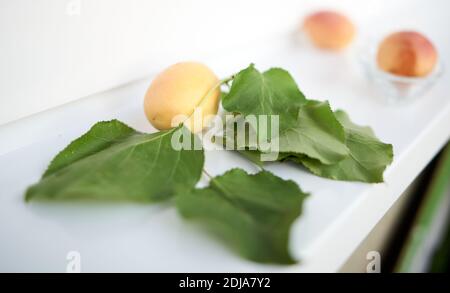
[[317, 134], [366, 162], [273, 92], [310, 133], [113, 162], [253, 213]]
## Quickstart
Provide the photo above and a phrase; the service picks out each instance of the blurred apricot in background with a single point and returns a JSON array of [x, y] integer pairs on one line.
[[329, 29]]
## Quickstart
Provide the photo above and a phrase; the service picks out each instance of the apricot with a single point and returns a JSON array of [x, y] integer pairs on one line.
[[329, 29], [407, 53], [179, 90]]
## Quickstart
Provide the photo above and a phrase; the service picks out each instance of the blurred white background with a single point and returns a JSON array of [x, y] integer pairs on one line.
[[56, 51]]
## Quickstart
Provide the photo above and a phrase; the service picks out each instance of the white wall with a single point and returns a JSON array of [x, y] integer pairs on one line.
[[55, 51]]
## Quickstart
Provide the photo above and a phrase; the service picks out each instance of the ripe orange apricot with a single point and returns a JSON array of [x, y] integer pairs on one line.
[[407, 53], [178, 90], [329, 29]]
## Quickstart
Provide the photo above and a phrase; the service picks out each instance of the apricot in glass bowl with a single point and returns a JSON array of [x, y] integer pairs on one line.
[[403, 65]]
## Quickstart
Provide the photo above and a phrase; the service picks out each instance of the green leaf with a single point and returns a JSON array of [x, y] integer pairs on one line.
[[366, 162], [113, 162], [253, 213], [367, 159], [317, 134], [273, 92]]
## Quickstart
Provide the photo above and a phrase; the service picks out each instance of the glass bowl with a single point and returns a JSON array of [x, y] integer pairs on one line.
[[395, 88]]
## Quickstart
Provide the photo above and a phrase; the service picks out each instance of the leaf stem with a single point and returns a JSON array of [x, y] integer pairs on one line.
[[260, 167], [210, 92], [207, 174]]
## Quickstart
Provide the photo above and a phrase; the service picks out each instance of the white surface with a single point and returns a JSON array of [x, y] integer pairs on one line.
[[62, 50], [337, 216], [56, 51]]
